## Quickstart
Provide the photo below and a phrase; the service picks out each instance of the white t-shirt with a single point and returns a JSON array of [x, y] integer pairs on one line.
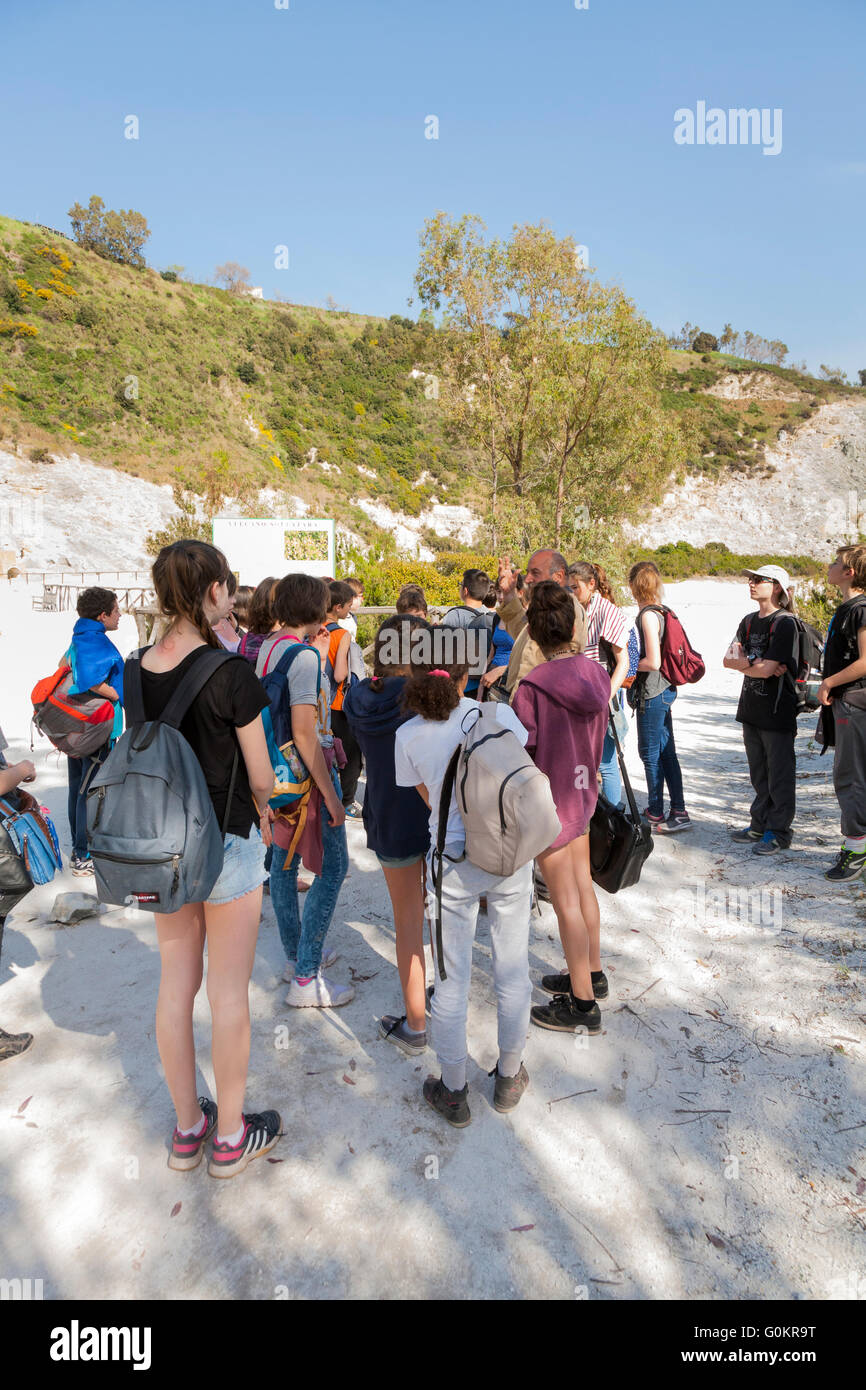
[[423, 750], [351, 625]]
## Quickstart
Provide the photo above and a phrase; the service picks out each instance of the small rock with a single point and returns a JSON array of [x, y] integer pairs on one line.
[[74, 907]]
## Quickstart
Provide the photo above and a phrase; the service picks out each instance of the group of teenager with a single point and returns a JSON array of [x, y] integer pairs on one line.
[[551, 652]]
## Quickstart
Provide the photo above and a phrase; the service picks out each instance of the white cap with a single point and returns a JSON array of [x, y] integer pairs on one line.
[[773, 572]]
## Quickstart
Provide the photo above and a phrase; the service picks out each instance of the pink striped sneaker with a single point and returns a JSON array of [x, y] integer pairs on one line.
[[187, 1149], [261, 1133]]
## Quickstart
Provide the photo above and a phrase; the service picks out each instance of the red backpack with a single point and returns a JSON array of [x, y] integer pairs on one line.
[[76, 724], [681, 664]]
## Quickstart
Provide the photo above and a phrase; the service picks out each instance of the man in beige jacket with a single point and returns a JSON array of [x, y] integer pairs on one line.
[[526, 654]]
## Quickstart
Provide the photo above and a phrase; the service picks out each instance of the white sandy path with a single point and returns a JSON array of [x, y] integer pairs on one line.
[[619, 1192]]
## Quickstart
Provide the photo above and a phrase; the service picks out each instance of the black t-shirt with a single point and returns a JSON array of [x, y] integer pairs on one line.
[[762, 702], [842, 642], [232, 698]]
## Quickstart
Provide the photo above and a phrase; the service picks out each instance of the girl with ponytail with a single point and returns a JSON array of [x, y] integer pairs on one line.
[[607, 631], [395, 819], [191, 582], [435, 695]]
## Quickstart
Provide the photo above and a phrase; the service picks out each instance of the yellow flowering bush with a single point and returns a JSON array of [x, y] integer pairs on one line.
[[24, 286], [16, 329], [45, 294], [60, 258]]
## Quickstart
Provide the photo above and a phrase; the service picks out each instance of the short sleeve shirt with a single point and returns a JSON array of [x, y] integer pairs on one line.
[[424, 747], [762, 702], [604, 619], [230, 700]]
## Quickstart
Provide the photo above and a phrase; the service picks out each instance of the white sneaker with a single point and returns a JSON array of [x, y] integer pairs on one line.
[[319, 993], [328, 958]]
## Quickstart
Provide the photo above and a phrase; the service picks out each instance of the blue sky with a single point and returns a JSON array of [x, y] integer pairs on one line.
[[306, 127]]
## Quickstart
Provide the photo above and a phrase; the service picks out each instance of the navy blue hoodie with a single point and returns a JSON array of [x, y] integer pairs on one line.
[[395, 818]]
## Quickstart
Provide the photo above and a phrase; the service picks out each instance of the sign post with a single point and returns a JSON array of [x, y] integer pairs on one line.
[[256, 547]]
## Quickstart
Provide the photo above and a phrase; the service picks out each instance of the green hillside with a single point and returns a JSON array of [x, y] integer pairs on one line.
[[158, 378]]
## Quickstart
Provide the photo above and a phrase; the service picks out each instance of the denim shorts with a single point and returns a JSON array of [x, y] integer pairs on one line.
[[243, 868], [399, 863]]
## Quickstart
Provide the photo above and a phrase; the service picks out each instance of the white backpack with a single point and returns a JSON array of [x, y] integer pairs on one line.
[[505, 803]]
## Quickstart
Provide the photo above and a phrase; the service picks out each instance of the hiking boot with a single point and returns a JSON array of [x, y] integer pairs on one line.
[[395, 1030], [676, 821], [14, 1045], [451, 1105], [508, 1089], [187, 1149], [769, 844], [848, 866], [744, 836], [328, 958], [261, 1133], [561, 984], [563, 1016], [81, 867], [319, 993]]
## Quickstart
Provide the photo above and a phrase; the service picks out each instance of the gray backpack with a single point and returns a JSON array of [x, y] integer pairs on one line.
[[153, 835], [505, 803]]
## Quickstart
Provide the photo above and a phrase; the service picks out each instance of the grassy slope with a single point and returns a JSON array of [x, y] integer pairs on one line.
[[338, 381]]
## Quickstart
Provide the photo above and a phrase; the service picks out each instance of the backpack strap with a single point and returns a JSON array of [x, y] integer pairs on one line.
[[288, 657], [439, 851], [133, 696], [192, 684]]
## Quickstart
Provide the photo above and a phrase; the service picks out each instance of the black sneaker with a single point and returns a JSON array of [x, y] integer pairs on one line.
[[676, 821], [561, 984], [187, 1150], [743, 837], [508, 1089], [452, 1105], [14, 1045], [394, 1030], [261, 1133], [848, 866], [769, 844], [563, 1016]]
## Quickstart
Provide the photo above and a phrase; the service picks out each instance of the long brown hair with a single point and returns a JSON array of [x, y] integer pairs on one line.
[[182, 575], [645, 583], [592, 574], [260, 617]]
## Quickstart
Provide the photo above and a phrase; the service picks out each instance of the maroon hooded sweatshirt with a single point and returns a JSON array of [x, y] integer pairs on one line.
[[563, 705]]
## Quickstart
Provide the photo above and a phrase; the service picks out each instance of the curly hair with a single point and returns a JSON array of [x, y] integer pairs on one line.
[[434, 696], [394, 639]]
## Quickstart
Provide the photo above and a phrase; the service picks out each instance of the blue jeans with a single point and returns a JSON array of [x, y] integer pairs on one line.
[[655, 743], [76, 807], [611, 782], [303, 934]]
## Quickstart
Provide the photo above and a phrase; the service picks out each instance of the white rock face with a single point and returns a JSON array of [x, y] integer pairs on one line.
[[405, 529], [76, 514], [457, 522], [814, 500], [754, 386]]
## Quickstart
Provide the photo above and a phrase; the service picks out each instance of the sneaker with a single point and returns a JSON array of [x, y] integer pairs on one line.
[[261, 1133], [508, 1089], [452, 1105], [395, 1030], [328, 958], [187, 1149], [561, 984], [656, 822], [746, 835], [563, 1016], [319, 993], [14, 1045], [848, 866], [80, 867], [677, 820], [354, 810], [768, 844]]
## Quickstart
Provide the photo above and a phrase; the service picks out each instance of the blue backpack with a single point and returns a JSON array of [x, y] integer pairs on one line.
[[33, 837], [292, 781], [605, 651]]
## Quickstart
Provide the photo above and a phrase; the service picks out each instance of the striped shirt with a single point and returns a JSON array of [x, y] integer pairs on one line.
[[604, 619]]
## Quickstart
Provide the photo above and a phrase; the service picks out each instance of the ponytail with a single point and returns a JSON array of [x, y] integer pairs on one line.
[[182, 575], [589, 573]]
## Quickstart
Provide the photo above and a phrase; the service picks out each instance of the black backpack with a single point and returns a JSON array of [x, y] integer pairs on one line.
[[809, 652]]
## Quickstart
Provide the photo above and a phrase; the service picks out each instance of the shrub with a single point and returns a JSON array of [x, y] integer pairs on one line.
[[87, 316], [247, 372], [39, 455], [705, 342], [170, 275]]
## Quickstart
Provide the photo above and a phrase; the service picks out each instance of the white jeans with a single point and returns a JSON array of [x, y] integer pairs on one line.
[[508, 909]]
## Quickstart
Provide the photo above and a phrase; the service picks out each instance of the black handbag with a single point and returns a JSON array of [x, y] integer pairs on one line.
[[619, 841]]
